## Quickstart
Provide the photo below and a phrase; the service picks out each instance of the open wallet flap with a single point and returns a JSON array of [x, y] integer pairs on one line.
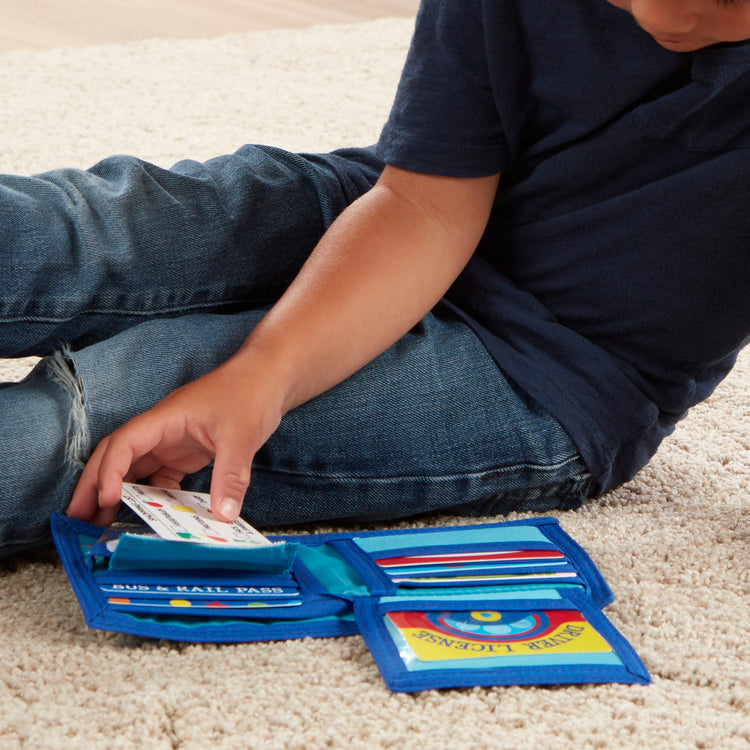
[[514, 602]]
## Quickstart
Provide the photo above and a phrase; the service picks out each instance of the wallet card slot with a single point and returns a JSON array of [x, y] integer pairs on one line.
[[497, 640], [193, 595], [486, 563], [284, 597]]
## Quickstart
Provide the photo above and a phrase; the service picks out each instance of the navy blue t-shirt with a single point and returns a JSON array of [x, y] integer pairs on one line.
[[612, 283]]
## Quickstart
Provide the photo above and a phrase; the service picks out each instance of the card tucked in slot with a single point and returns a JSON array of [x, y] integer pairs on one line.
[[229, 596], [489, 566], [188, 605], [425, 644], [503, 555]]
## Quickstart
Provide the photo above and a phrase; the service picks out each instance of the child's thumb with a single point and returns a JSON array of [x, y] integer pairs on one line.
[[229, 482]]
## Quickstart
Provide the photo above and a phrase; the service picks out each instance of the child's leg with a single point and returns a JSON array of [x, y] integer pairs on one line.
[[431, 425], [84, 255]]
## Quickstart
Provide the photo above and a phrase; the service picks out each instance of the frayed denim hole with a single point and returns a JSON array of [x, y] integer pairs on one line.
[[62, 371]]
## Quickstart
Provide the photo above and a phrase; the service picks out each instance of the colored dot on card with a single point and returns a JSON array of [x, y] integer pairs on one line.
[[153, 504], [486, 616], [185, 535], [118, 600], [183, 508], [216, 604], [215, 538], [180, 603]]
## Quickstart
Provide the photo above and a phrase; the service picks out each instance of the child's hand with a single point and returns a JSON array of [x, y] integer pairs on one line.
[[223, 416]]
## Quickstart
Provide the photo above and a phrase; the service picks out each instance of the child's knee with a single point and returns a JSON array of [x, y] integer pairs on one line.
[[45, 439]]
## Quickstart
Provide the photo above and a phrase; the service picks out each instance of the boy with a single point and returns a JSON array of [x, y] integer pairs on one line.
[[481, 343]]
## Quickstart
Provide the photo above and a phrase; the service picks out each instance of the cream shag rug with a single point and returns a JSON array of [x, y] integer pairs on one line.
[[673, 544]]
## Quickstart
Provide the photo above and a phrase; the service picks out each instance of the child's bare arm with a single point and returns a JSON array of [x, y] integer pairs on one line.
[[379, 269]]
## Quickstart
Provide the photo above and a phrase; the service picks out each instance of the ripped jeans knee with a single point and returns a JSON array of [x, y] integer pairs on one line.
[[45, 440], [78, 444]]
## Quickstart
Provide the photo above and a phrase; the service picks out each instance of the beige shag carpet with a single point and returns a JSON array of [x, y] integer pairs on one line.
[[674, 544]]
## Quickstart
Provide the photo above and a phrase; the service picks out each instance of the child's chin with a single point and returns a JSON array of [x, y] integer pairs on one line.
[[679, 45]]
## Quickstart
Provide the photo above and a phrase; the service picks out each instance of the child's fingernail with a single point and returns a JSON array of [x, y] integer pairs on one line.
[[230, 508]]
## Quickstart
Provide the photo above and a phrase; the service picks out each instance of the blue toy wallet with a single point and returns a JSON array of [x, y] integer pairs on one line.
[[518, 602]]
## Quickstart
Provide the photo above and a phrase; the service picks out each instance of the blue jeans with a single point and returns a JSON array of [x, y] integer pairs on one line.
[[131, 280]]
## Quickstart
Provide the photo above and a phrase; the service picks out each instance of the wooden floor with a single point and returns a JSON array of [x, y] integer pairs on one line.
[[35, 24]]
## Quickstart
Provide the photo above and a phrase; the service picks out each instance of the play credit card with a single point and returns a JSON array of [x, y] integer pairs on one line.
[[184, 516]]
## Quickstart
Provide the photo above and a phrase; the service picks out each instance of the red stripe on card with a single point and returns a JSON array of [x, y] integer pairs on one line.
[[464, 557]]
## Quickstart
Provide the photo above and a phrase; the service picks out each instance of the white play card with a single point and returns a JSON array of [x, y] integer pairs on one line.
[[186, 517]]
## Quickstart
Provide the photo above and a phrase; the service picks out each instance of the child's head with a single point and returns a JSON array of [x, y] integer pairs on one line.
[[688, 25]]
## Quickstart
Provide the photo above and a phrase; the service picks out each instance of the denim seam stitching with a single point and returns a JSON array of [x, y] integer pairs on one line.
[[542, 468], [124, 311]]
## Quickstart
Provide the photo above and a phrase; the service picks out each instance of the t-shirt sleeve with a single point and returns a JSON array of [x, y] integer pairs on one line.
[[444, 119]]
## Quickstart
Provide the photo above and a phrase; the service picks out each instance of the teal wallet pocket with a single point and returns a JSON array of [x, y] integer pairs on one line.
[[197, 604]]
